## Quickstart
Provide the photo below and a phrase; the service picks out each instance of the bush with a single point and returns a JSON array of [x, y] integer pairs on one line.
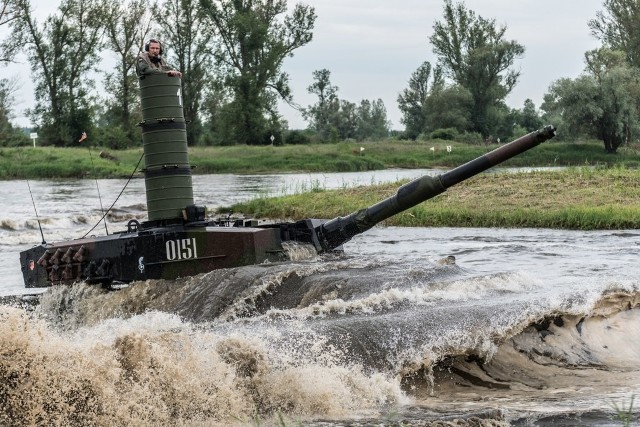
[[518, 131], [113, 137], [14, 138], [473, 138], [343, 166], [448, 134], [296, 137]]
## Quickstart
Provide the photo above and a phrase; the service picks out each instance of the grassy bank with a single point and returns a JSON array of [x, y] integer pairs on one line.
[[603, 197], [577, 198], [49, 162]]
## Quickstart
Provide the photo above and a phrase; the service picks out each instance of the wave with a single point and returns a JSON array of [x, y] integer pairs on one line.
[[333, 340], [27, 231], [445, 307], [155, 369], [603, 340]]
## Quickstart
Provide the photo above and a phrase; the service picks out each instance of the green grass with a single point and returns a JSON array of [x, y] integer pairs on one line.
[[577, 198], [624, 413], [603, 197], [50, 162]]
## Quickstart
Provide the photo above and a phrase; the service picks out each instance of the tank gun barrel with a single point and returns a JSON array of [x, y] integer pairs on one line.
[[340, 230]]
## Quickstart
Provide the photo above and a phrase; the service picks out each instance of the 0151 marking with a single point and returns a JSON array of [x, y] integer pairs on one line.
[[181, 249]]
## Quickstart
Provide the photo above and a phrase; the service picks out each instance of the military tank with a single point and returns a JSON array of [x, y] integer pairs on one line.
[[177, 240]]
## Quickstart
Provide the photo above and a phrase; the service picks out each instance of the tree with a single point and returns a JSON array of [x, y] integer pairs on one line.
[[253, 43], [126, 29], [334, 119], [617, 28], [185, 30], [474, 54], [575, 100], [448, 107], [372, 120], [8, 13], [61, 52], [412, 102], [8, 87], [8, 134], [8, 90], [529, 118], [428, 107], [618, 95], [215, 98], [603, 103], [322, 115], [347, 120]]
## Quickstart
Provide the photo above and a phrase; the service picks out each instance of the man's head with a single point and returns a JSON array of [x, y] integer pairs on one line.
[[154, 48]]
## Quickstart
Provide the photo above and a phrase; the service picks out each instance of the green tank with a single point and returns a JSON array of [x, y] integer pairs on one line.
[[177, 240]]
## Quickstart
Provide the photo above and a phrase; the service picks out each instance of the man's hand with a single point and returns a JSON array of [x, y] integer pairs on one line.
[[174, 73]]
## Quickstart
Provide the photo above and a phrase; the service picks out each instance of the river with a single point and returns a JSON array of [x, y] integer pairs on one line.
[[517, 327]]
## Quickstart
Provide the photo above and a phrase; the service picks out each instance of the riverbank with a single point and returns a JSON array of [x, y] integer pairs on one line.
[[95, 162], [575, 198], [604, 195]]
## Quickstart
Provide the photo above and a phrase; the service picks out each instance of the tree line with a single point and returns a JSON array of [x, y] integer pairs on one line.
[[231, 54], [463, 94]]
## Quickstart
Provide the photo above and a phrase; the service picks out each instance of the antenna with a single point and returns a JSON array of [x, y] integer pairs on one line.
[[36, 211], [117, 198], [104, 215]]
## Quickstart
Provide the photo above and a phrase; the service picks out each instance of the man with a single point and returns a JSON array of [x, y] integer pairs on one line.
[[151, 62]]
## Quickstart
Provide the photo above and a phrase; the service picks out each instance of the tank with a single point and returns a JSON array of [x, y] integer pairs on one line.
[[178, 241]]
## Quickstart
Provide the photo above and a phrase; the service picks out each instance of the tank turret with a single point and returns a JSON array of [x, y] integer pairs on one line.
[[177, 240]]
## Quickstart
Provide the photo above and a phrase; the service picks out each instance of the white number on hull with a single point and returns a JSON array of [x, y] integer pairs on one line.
[[181, 249]]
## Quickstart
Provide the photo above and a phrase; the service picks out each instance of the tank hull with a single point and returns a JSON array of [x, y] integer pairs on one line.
[[160, 253]]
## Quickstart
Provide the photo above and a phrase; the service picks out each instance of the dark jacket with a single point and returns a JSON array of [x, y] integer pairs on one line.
[[146, 65]]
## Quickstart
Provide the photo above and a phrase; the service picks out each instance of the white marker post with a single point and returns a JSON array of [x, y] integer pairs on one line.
[[33, 136]]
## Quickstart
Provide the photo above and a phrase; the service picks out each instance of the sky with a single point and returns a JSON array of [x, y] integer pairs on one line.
[[371, 48]]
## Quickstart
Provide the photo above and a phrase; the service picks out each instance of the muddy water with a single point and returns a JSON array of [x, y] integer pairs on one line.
[[525, 327]]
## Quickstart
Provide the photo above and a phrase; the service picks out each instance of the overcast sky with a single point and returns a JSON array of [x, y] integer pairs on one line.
[[371, 47]]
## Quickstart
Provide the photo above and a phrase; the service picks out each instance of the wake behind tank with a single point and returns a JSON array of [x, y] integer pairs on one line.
[[178, 241]]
